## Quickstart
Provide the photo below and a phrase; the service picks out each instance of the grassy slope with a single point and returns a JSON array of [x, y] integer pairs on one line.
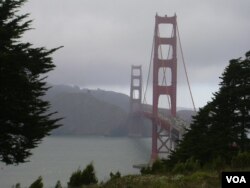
[[195, 180]]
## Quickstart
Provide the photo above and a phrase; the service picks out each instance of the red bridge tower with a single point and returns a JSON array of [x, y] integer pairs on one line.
[[135, 119], [161, 139], [136, 89]]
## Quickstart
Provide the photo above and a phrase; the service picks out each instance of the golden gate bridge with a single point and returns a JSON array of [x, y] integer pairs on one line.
[[167, 130]]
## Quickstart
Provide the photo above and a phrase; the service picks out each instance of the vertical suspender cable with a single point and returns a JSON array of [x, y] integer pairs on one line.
[[184, 64]]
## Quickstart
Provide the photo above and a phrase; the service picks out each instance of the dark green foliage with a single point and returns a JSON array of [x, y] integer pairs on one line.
[[158, 167], [24, 117], [235, 88], [193, 180], [115, 176], [189, 166], [88, 175], [194, 140], [218, 164], [37, 184], [179, 168], [241, 161], [219, 130], [146, 170], [75, 179], [58, 184], [85, 177], [192, 165]]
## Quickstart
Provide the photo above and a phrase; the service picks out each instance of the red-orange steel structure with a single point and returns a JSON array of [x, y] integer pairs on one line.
[[135, 122], [165, 131], [136, 89], [161, 138]]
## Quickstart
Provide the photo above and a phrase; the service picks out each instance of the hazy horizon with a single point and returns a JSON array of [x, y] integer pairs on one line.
[[102, 39]]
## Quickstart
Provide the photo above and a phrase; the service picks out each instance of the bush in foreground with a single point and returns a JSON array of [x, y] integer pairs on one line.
[[241, 161], [38, 183], [85, 177]]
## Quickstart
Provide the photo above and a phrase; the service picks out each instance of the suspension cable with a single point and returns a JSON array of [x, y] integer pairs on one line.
[[149, 69], [184, 65]]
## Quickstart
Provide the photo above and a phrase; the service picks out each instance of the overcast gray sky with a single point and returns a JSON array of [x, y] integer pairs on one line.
[[103, 38]]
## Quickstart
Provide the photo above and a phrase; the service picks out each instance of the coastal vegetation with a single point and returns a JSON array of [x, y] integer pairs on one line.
[[220, 130], [184, 175], [85, 177]]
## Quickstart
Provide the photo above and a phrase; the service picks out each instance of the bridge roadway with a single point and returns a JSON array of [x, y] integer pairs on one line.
[[177, 126]]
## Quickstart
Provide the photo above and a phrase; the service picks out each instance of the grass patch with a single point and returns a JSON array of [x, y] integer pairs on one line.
[[195, 180]]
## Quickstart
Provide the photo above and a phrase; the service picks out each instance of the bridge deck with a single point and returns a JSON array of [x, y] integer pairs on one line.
[[175, 124]]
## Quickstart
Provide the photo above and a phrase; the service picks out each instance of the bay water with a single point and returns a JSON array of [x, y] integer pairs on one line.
[[57, 157]]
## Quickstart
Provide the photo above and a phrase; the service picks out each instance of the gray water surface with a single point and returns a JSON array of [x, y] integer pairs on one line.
[[57, 157]]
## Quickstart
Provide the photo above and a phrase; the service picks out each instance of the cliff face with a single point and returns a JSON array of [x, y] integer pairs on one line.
[[96, 112]]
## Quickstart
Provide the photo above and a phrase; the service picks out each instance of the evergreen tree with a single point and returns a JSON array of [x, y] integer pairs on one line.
[[24, 117], [38, 183], [236, 85], [88, 175], [58, 184], [75, 179], [220, 129], [85, 177], [192, 145]]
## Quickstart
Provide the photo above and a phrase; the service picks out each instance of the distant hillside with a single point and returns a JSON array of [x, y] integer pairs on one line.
[[83, 113], [111, 97], [96, 112]]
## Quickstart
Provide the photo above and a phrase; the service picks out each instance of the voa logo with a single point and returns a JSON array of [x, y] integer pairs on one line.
[[236, 179]]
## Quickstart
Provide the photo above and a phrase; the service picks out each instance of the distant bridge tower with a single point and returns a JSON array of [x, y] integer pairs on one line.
[[161, 138], [135, 101], [136, 89]]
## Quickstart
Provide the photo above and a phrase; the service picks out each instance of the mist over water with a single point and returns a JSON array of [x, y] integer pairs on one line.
[[57, 157]]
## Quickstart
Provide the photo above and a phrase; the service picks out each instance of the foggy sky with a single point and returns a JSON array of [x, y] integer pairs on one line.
[[103, 38]]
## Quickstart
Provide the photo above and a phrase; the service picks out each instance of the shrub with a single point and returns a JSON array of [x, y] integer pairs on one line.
[[38, 183], [88, 175], [218, 164], [158, 167], [242, 161], [85, 177], [190, 165], [179, 168], [115, 176], [58, 184], [75, 179], [146, 170]]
